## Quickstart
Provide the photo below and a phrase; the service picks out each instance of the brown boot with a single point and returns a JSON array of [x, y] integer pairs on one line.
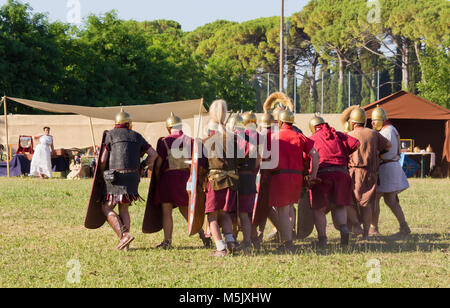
[[127, 238]]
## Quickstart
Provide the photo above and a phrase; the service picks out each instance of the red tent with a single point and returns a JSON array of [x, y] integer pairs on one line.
[[419, 119]]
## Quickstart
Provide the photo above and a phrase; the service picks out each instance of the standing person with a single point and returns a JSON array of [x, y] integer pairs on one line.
[[265, 146], [364, 167], [41, 164], [334, 193], [287, 177], [392, 178], [220, 162], [172, 176], [248, 170], [119, 165]]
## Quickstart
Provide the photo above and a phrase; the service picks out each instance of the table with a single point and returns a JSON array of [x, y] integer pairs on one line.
[[422, 155], [20, 165]]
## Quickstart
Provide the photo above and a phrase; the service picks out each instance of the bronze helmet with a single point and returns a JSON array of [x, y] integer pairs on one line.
[[358, 116], [317, 120], [235, 121], [123, 118], [173, 120], [266, 120], [286, 116], [249, 117], [379, 116]]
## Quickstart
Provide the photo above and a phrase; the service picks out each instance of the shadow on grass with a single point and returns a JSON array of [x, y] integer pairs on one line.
[[425, 243]]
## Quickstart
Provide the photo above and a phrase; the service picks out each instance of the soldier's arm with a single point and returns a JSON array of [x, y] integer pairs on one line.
[[152, 155]]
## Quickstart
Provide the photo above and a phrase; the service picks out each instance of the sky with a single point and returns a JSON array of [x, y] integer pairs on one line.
[[191, 14]]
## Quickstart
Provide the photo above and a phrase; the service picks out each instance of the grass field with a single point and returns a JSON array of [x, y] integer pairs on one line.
[[41, 233]]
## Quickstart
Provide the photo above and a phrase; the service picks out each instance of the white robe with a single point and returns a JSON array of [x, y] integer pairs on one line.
[[42, 162], [392, 177]]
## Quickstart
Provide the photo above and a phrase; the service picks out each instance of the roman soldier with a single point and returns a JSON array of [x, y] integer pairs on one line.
[[287, 177], [334, 192], [172, 173], [364, 167], [265, 134], [248, 169], [392, 179], [220, 163], [123, 150]]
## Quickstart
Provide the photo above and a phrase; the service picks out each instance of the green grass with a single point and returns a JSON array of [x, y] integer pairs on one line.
[[41, 230]]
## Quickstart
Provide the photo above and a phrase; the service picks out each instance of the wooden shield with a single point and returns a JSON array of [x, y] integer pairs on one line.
[[196, 194], [153, 212], [305, 215], [94, 217], [261, 208]]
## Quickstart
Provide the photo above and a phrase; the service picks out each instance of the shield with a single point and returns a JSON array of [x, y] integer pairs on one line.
[[261, 208], [197, 197], [95, 218], [153, 216], [305, 215]]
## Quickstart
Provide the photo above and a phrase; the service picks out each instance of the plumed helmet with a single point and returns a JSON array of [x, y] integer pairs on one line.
[[123, 118], [358, 115], [235, 121], [173, 120], [266, 120], [249, 117], [277, 110], [286, 116], [317, 120], [379, 115]]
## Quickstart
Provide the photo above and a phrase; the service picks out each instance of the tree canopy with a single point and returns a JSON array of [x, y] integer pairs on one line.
[[108, 61]]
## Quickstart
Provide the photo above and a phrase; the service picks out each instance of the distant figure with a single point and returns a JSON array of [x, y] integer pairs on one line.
[[75, 169], [41, 164]]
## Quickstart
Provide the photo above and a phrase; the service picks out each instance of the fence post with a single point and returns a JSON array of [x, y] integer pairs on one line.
[[349, 88], [378, 85], [321, 105]]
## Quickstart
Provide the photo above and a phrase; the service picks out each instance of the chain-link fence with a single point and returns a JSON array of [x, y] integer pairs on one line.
[[325, 93]]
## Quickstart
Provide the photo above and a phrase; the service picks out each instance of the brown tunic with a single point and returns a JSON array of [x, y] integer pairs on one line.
[[364, 162]]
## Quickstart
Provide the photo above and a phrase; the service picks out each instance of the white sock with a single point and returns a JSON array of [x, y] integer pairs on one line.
[[220, 245]]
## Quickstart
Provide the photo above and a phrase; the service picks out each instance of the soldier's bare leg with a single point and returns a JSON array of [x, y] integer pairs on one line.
[[167, 209], [320, 221], [184, 210], [353, 220], [340, 219], [214, 228], [286, 226], [366, 215], [375, 215], [118, 226], [392, 201], [246, 226]]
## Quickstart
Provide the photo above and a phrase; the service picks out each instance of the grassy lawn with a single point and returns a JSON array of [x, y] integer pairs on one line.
[[41, 230]]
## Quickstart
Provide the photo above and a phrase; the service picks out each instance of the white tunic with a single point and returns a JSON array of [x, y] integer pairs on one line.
[[42, 162], [392, 177]]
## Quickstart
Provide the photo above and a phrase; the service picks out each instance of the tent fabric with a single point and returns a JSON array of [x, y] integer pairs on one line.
[[142, 113], [404, 105], [72, 131]]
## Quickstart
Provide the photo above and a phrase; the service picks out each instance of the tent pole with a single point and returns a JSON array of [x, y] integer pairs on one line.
[[92, 134], [6, 135]]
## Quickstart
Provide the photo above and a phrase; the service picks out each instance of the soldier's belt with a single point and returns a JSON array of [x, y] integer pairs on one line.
[[287, 171], [333, 169], [214, 174]]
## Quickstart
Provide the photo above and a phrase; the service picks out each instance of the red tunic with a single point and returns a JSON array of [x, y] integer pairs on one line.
[[334, 149], [286, 184], [171, 187]]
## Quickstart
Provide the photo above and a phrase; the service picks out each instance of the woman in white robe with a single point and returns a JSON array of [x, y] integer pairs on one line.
[[41, 164]]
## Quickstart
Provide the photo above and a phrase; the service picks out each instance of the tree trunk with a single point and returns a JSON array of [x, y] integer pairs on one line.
[[405, 65]]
